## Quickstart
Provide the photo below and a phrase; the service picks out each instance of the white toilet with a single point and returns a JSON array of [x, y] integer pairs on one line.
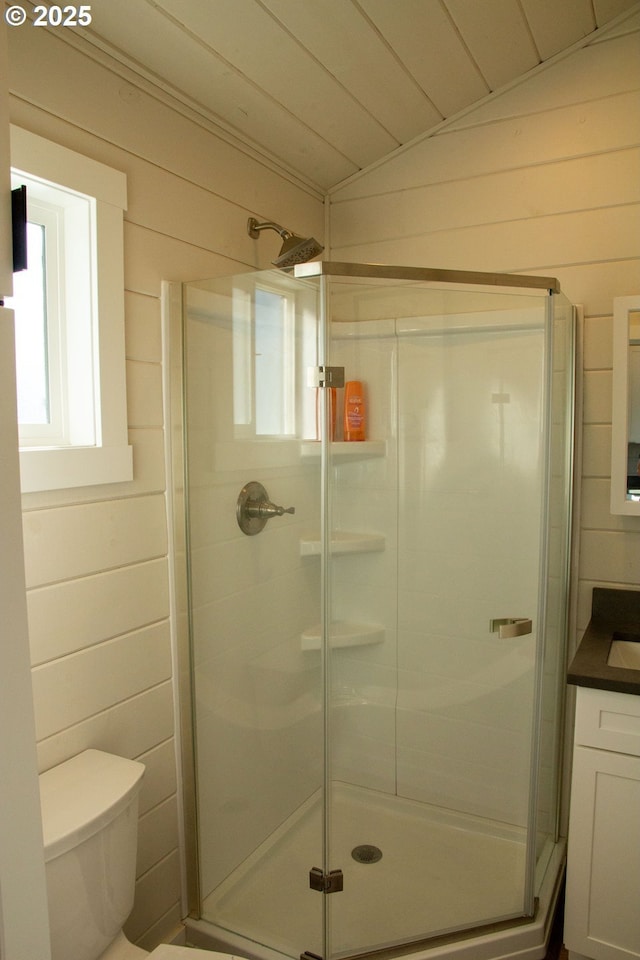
[[90, 825]]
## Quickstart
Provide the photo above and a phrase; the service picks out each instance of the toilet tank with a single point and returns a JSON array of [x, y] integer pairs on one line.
[[90, 823]]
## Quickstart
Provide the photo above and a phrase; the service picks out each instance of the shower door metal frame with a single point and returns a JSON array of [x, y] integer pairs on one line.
[[381, 271], [536, 718], [176, 462]]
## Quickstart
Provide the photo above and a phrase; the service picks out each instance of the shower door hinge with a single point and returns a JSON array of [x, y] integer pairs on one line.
[[326, 376], [331, 882]]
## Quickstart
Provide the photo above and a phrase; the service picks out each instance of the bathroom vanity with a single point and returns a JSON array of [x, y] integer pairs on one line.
[[602, 913]]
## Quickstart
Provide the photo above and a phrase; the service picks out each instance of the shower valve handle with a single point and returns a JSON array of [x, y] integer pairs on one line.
[[254, 508], [264, 508]]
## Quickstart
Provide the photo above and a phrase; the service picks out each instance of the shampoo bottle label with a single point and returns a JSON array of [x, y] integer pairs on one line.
[[354, 411]]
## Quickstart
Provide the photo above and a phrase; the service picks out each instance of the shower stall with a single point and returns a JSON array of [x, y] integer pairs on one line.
[[373, 631]]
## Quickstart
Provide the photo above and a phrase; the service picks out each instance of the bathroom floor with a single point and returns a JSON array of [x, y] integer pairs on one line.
[[438, 871]]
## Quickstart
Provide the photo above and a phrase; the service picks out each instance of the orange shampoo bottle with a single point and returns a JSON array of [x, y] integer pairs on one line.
[[355, 413]]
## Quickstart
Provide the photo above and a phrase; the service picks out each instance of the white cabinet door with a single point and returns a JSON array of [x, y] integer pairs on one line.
[[608, 720], [602, 916]]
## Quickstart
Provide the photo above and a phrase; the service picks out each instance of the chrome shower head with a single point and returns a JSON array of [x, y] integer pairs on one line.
[[297, 250], [294, 249]]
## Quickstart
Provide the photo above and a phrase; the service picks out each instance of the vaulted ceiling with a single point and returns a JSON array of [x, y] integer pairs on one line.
[[327, 87]]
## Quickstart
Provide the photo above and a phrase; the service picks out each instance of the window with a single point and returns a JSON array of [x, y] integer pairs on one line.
[[32, 337], [54, 325], [69, 308]]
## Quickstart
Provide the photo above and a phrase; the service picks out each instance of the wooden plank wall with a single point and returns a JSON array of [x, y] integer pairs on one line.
[[543, 179], [96, 558]]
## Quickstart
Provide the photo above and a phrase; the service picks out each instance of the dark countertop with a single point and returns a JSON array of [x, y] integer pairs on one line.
[[611, 611]]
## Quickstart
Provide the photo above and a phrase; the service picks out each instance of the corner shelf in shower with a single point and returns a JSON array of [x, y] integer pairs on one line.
[[342, 543], [340, 450], [343, 633]]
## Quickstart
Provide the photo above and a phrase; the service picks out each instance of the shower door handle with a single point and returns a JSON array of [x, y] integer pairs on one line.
[[507, 627]]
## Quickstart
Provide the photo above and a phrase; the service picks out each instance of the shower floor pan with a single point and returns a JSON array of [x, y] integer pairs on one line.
[[438, 871]]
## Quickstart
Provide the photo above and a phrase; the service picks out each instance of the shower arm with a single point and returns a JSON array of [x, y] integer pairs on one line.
[[254, 227]]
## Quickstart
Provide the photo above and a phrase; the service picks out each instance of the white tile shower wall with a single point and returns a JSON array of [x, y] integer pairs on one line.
[[468, 552], [438, 711], [364, 500], [541, 179], [97, 557]]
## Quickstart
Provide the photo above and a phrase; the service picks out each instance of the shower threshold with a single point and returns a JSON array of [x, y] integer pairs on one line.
[[439, 872]]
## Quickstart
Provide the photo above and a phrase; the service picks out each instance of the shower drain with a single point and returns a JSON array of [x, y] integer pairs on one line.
[[366, 853]]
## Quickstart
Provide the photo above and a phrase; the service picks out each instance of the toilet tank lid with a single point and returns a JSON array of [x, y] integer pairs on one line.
[[84, 794]]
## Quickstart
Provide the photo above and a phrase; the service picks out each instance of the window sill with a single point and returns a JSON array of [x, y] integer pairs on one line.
[[59, 468]]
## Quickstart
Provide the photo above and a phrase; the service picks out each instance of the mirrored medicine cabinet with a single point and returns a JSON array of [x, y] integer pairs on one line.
[[625, 426]]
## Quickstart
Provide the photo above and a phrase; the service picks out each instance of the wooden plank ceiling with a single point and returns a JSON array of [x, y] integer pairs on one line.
[[326, 87]]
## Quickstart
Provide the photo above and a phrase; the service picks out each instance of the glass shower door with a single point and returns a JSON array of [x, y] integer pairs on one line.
[[255, 606], [437, 590], [366, 742]]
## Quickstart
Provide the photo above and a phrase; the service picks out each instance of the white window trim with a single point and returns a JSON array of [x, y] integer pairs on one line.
[[110, 459]]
